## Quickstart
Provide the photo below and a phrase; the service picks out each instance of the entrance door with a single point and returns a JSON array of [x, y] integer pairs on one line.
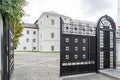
[[106, 49]]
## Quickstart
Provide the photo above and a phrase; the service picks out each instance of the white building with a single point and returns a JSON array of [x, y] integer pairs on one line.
[[30, 38], [47, 28], [49, 31]]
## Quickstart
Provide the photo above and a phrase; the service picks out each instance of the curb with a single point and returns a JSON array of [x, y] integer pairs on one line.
[[74, 76], [110, 75]]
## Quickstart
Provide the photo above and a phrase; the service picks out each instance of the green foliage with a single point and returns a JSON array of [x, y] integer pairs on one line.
[[118, 26], [13, 10], [18, 28]]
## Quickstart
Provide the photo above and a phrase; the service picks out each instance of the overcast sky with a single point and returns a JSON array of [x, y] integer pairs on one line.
[[89, 10]]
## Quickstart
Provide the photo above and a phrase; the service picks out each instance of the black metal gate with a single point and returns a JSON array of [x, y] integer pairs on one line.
[[7, 50], [81, 53], [77, 52], [106, 43]]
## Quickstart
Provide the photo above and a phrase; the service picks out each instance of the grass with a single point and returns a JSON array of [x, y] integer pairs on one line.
[[111, 60]]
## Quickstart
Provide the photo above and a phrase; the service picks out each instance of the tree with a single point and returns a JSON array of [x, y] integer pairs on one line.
[[118, 26], [18, 28], [13, 10]]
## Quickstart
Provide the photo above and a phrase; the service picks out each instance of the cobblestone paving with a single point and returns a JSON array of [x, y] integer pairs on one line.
[[44, 66]]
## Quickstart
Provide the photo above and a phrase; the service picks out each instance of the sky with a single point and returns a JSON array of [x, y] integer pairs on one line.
[[88, 10]]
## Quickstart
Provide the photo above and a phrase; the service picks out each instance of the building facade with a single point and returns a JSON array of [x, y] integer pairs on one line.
[[29, 40], [47, 29], [44, 34]]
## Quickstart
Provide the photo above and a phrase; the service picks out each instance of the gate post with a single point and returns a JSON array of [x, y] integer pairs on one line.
[[1, 36], [4, 74], [60, 46]]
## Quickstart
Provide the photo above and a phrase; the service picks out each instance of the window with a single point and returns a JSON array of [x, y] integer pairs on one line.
[[66, 56], [84, 40], [80, 24], [76, 40], [27, 32], [84, 56], [76, 56], [66, 48], [41, 23], [24, 48], [52, 35], [41, 35], [84, 48], [66, 39], [76, 48], [52, 48], [34, 32], [87, 25], [34, 48], [83, 29], [52, 22], [27, 40], [34, 40], [47, 16]]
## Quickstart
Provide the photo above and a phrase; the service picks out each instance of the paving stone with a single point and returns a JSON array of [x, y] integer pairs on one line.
[[45, 66]]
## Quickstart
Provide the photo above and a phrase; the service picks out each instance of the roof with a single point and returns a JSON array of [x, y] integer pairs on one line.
[[51, 13], [82, 21], [29, 25]]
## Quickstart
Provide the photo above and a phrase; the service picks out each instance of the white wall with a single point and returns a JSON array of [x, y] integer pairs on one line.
[[46, 28], [1, 28], [118, 46], [118, 51]]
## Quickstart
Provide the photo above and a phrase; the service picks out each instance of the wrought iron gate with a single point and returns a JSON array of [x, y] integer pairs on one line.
[[10, 49], [77, 50], [106, 43], [82, 51], [7, 50]]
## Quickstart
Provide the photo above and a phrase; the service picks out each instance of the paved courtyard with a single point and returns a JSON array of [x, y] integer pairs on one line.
[[45, 66]]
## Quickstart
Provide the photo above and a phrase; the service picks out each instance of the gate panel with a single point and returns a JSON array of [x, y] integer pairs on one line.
[[8, 50], [106, 49], [76, 54], [92, 53], [106, 43]]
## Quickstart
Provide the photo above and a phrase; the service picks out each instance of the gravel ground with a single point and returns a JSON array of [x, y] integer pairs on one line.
[[45, 66]]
